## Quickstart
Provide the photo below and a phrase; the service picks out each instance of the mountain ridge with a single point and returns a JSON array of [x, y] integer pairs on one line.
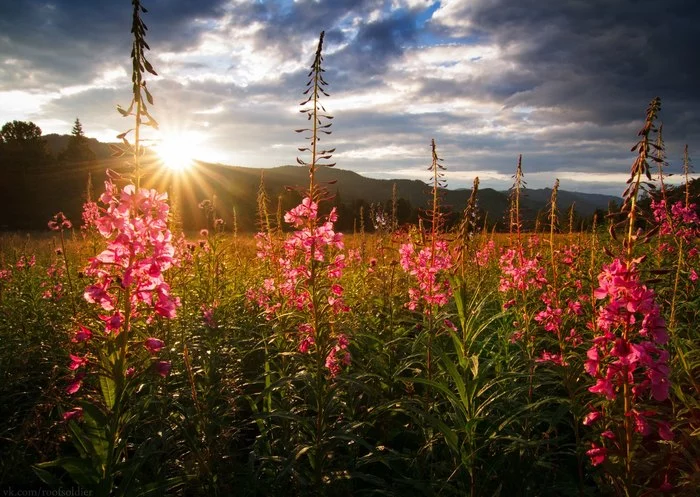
[[61, 187]]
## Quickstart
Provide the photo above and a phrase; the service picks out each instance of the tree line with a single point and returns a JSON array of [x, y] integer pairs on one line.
[[23, 148]]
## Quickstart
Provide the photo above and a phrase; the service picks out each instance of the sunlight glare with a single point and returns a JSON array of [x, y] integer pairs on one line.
[[178, 151]]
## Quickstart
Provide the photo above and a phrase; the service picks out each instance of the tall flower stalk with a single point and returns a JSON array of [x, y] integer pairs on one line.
[[305, 291], [61, 223], [627, 358], [515, 225], [129, 293], [429, 264]]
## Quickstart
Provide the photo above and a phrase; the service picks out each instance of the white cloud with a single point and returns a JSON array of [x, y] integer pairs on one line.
[[15, 103], [383, 152]]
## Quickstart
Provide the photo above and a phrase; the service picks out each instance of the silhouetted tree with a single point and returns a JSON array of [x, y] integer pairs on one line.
[[21, 146], [77, 149]]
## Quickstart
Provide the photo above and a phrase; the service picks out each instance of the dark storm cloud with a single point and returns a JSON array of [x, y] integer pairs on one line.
[[585, 71], [368, 45], [605, 56], [65, 42]]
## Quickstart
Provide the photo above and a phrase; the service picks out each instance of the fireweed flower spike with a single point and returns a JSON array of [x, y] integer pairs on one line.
[[128, 274], [319, 245], [627, 358], [632, 311], [140, 249], [310, 262]]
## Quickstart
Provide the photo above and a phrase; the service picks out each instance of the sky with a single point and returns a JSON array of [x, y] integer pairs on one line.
[[565, 83]]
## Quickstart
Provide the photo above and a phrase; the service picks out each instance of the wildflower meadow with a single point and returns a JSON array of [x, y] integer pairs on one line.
[[435, 358]]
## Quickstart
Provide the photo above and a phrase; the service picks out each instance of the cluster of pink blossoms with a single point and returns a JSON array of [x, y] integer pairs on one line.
[[519, 273], [338, 355], [139, 250], [313, 243], [428, 267], [25, 262], [627, 349], [53, 288], [484, 254], [684, 223], [60, 222]]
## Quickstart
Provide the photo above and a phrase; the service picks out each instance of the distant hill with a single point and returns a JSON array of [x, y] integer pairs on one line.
[[55, 144], [28, 199]]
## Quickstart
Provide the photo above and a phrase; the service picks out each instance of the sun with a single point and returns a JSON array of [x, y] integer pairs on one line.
[[178, 150]]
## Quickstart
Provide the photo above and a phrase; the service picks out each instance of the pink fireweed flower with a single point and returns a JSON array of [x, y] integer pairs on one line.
[[127, 276], [153, 345], [314, 244], [83, 334], [592, 417], [298, 216], [90, 215], [208, 315], [483, 255], [574, 338], [665, 432], [354, 256], [575, 308], [60, 222], [627, 347], [97, 294], [163, 368], [597, 454], [550, 319], [666, 486], [139, 250], [25, 262], [74, 414], [519, 273], [305, 344], [429, 268], [75, 385], [306, 332], [338, 356], [76, 362], [113, 322], [570, 254], [450, 325], [631, 309], [553, 358], [680, 222]]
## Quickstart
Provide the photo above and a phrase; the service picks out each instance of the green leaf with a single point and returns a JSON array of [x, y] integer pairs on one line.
[[46, 476], [475, 365], [108, 391], [80, 470]]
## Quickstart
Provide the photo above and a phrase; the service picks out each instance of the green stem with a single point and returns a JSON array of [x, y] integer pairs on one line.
[[68, 276]]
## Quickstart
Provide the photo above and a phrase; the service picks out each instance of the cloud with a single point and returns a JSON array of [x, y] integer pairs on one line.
[[564, 83]]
